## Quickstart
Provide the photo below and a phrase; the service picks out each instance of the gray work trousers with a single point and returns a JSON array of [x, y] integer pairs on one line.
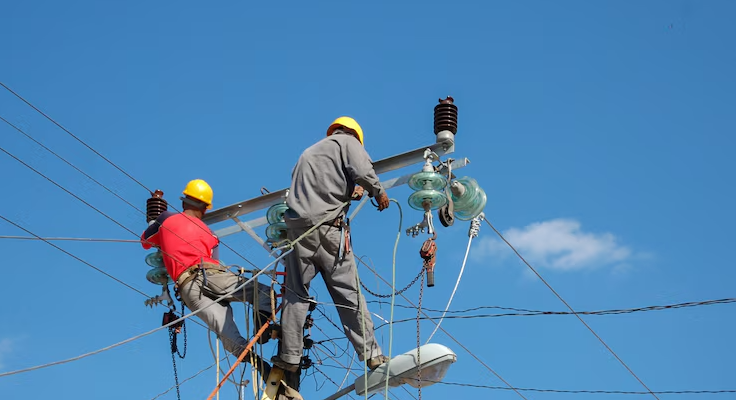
[[317, 253], [219, 317]]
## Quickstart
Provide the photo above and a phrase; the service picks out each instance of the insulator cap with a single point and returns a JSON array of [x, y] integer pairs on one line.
[[155, 205], [445, 116]]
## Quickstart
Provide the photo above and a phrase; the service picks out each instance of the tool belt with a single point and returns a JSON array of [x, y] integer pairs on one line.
[[337, 222], [191, 272]]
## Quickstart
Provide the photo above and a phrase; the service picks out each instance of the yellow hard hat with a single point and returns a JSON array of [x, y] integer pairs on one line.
[[200, 190], [346, 122]]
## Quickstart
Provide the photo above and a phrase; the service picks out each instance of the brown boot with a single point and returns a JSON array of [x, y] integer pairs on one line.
[[377, 361]]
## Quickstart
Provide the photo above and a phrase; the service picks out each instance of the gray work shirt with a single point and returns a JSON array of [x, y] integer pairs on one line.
[[325, 177]]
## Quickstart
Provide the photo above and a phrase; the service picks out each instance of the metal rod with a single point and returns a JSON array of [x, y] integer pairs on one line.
[[388, 184], [381, 166], [342, 392]]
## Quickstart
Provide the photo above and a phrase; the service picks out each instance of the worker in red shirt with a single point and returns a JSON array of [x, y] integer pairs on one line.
[[190, 255]]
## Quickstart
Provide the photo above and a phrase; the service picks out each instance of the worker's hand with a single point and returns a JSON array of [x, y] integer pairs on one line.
[[382, 201], [357, 193]]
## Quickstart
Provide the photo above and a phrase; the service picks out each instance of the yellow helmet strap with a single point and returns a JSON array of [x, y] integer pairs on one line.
[[198, 204]]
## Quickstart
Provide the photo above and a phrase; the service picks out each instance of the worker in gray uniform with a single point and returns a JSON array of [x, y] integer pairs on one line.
[[326, 177]]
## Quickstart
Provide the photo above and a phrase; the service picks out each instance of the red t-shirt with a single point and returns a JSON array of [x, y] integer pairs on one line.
[[184, 241]]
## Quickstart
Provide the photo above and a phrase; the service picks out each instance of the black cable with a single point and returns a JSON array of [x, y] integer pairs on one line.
[[75, 257], [528, 312], [486, 366], [472, 385], [75, 137], [103, 157], [570, 308], [70, 164]]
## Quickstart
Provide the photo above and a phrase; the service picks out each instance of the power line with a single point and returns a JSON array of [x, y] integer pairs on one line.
[[66, 190], [103, 157], [182, 318], [74, 256], [100, 184], [72, 239], [449, 335], [471, 385], [570, 308], [522, 312], [188, 379], [70, 164], [72, 135]]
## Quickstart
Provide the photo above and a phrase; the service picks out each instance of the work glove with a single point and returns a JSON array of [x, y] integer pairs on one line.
[[357, 193], [382, 201]]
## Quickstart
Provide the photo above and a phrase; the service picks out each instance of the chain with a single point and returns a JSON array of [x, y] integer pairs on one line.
[[419, 313], [398, 293], [174, 347], [173, 361]]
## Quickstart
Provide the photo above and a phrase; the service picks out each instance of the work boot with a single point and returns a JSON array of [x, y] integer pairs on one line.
[[278, 362], [377, 361], [260, 319]]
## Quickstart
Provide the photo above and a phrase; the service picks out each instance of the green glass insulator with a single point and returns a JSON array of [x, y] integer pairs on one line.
[[435, 198], [472, 202], [158, 276], [427, 180], [155, 260], [276, 231], [276, 212]]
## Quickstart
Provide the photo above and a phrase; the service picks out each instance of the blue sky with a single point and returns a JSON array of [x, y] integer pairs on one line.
[[602, 133]]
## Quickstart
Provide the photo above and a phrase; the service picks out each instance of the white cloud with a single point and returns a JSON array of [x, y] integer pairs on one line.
[[6, 346], [559, 244]]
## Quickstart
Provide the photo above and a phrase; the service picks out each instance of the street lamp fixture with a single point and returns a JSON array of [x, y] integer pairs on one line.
[[435, 360]]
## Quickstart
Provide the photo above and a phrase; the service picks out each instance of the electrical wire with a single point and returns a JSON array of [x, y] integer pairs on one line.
[[342, 366], [74, 257], [185, 380], [219, 299], [70, 164], [393, 297], [471, 385], [73, 239], [329, 379], [453, 338], [454, 290], [522, 312], [72, 135], [94, 180], [570, 308]]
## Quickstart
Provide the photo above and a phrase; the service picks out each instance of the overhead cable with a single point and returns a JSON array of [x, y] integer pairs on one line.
[[472, 385], [217, 300], [72, 239], [496, 374], [571, 309], [528, 312]]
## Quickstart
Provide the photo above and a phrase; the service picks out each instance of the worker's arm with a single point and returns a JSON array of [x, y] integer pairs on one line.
[[150, 236], [360, 167]]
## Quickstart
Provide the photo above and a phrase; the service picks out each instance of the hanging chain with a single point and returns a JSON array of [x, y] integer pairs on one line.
[[419, 314], [399, 292], [173, 331], [173, 362]]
